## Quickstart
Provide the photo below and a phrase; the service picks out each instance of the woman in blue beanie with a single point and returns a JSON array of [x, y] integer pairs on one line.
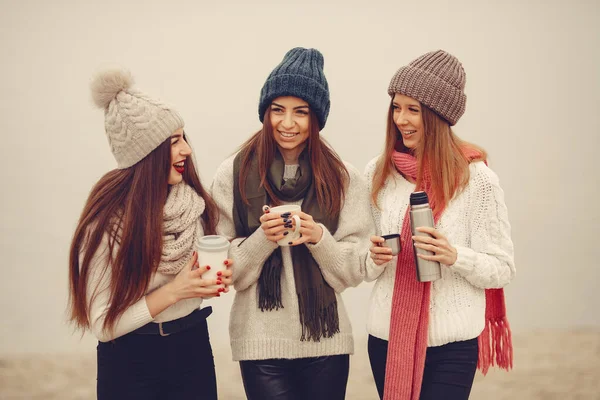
[[288, 326]]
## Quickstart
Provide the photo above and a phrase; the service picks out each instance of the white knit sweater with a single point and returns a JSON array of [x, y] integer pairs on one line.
[[257, 335], [476, 223], [138, 314]]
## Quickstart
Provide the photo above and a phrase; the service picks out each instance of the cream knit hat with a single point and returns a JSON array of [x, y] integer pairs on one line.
[[135, 123]]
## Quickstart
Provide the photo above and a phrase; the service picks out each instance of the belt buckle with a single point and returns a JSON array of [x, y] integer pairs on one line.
[[160, 330]]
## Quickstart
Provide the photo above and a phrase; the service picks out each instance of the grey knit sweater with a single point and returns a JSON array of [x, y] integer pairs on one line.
[[257, 335]]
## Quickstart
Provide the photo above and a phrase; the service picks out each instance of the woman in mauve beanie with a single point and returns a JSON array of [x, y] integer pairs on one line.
[[134, 277], [288, 325], [426, 339]]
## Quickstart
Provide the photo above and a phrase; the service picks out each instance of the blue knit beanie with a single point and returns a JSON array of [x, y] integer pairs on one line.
[[299, 74]]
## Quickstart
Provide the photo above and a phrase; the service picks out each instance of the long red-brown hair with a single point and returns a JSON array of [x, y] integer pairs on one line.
[[330, 175], [440, 156], [127, 205]]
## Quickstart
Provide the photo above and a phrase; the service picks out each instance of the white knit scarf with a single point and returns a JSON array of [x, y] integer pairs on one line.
[[181, 226]]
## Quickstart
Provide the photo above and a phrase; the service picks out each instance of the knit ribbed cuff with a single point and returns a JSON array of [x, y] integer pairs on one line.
[[322, 251], [319, 244], [141, 312], [465, 261], [248, 256], [257, 246], [373, 271], [134, 317]]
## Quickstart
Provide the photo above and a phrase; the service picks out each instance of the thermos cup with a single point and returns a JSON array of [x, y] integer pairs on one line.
[[420, 216]]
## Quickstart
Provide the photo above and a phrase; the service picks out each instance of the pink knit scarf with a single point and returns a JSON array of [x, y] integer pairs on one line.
[[410, 312]]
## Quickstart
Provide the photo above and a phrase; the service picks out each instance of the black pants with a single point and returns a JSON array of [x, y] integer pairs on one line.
[[317, 378], [449, 369], [175, 367]]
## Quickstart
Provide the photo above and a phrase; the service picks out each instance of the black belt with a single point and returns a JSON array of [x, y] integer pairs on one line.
[[177, 325]]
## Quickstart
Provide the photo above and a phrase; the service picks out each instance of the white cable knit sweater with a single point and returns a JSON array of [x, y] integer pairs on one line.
[[476, 224], [138, 314], [257, 335]]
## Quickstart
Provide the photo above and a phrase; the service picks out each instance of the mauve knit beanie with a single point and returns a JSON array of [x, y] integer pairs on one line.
[[135, 123], [300, 74], [436, 79]]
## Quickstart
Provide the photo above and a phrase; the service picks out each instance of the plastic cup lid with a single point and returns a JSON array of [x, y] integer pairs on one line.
[[213, 243]]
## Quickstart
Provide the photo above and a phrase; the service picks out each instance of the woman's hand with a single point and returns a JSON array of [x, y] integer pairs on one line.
[[273, 225], [225, 276], [443, 252], [188, 283], [310, 231], [380, 254]]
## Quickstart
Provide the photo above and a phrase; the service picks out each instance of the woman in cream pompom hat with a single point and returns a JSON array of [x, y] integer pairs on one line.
[[133, 270]]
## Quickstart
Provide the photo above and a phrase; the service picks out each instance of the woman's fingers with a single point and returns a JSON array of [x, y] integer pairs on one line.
[[225, 273], [275, 237], [377, 240], [432, 257], [272, 223], [304, 216], [225, 277], [197, 273], [278, 230], [193, 261], [226, 282], [381, 249], [200, 283], [300, 240], [430, 240], [428, 247], [380, 254], [427, 229], [269, 217], [432, 231], [379, 258]]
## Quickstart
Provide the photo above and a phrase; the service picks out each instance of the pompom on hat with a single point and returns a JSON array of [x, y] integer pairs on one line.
[[135, 123], [436, 79]]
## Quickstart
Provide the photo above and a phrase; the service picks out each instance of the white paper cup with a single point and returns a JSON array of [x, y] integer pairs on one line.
[[213, 251]]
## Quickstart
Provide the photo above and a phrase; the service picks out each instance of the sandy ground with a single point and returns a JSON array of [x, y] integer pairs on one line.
[[563, 365]]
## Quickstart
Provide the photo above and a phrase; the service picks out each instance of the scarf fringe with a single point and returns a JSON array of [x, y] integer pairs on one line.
[[269, 285], [495, 346], [320, 321]]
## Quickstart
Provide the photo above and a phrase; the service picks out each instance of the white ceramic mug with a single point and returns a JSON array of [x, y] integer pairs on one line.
[[292, 234], [212, 250]]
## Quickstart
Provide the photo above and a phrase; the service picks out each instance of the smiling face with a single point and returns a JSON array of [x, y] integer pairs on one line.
[[180, 151], [290, 119], [407, 115]]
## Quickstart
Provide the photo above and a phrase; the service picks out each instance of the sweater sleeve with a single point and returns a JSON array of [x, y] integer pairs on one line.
[[248, 253], [98, 298], [372, 270], [341, 256], [489, 261]]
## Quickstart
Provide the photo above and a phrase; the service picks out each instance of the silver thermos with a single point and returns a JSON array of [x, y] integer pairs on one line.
[[421, 215]]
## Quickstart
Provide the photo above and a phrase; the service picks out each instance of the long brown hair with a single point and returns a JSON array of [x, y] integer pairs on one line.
[[127, 205], [440, 155], [329, 172]]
